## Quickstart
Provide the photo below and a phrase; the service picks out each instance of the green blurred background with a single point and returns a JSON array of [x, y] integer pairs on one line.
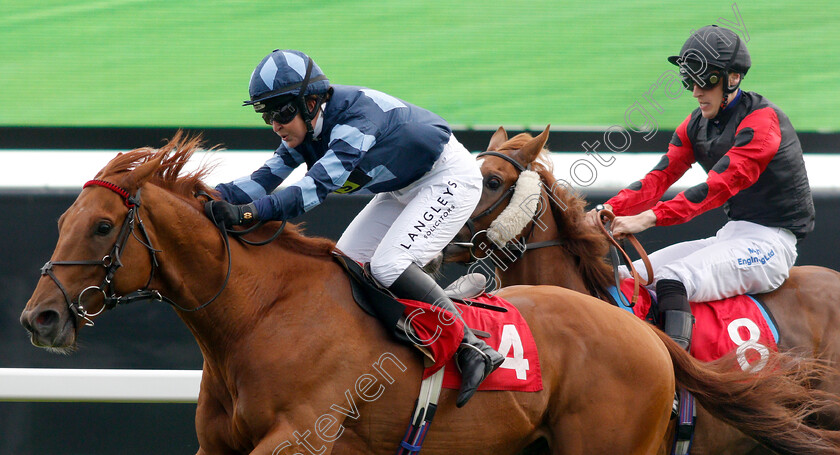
[[186, 63]]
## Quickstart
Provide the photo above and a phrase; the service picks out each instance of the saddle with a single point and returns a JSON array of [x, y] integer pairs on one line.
[[379, 302], [741, 323], [489, 317], [521, 374]]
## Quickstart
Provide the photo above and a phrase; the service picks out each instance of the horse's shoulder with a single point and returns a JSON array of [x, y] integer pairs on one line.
[[805, 277], [538, 301], [542, 291], [810, 271]]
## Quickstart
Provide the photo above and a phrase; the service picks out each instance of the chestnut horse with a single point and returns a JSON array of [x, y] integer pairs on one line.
[[293, 365], [570, 254]]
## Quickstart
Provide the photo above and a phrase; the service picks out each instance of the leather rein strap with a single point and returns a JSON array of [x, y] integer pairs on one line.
[[606, 217], [112, 262]]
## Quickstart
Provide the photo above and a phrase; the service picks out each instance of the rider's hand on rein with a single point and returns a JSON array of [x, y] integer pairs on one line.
[[230, 214], [592, 217], [625, 225]]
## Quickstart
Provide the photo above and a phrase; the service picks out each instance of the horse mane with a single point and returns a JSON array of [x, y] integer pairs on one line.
[[587, 245], [174, 155]]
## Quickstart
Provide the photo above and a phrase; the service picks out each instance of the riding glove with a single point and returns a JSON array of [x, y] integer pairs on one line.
[[230, 214]]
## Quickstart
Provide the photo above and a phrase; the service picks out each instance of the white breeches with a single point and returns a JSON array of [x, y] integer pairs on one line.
[[415, 223], [742, 258]]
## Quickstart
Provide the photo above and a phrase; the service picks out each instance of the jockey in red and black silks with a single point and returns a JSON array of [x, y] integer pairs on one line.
[[756, 171], [750, 152]]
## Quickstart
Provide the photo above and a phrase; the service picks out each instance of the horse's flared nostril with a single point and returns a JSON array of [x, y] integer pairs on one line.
[[46, 320], [49, 329]]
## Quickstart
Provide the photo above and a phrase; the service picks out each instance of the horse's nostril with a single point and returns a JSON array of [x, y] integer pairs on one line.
[[24, 321], [46, 318]]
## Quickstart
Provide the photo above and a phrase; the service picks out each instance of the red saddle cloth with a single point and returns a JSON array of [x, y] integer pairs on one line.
[[738, 323], [509, 334]]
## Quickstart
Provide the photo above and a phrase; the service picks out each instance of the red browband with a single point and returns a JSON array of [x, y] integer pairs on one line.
[[113, 188]]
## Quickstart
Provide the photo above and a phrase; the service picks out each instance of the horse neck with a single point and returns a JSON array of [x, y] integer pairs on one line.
[[192, 270], [553, 265]]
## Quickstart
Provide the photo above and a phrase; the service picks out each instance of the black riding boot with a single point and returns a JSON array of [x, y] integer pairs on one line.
[[475, 358], [674, 306]]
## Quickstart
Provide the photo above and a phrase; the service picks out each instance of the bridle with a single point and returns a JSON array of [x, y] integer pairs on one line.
[[112, 262], [519, 249]]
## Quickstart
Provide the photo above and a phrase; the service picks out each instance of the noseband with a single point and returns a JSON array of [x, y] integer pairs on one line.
[[470, 224], [112, 261]]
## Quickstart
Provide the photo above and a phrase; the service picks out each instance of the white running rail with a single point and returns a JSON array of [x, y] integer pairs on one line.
[[92, 385]]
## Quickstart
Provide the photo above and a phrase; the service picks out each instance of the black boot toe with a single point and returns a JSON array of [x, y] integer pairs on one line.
[[475, 364]]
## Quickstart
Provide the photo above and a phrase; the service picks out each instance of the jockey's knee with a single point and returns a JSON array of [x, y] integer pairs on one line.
[[386, 270], [353, 249], [774, 280], [672, 296], [676, 273]]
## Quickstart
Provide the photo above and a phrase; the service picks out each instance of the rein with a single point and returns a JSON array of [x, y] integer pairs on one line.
[[239, 233], [112, 262], [606, 217]]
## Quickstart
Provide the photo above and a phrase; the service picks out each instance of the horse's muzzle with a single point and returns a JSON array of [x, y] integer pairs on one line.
[[48, 328]]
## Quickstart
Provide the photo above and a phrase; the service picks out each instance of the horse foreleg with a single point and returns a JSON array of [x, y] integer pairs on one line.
[[615, 415], [593, 432], [712, 436], [286, 441]]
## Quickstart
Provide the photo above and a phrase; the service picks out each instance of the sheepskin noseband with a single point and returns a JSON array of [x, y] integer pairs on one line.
[[519, 212]]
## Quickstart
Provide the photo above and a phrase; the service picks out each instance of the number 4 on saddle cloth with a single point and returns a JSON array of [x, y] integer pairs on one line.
[[496, 321], [739, 323], [508, 333]]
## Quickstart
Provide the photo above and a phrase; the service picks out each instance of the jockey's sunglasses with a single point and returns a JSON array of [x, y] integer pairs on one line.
[[283, 115], [707, 80]]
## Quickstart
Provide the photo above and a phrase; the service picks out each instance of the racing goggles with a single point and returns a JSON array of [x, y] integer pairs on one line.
[[705, 81], [282, 115]]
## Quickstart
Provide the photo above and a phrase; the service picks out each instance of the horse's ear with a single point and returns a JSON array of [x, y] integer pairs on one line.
[[529, 152], [499, 138], [144, 172]]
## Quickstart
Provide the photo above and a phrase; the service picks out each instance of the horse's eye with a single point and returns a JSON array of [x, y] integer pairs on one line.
[[103, 228], [493, 183]]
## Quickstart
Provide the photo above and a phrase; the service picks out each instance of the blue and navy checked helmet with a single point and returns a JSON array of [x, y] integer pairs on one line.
[[285, 73]]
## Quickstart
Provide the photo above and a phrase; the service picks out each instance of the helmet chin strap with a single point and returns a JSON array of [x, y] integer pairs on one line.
[[727, 89], [307, 114]]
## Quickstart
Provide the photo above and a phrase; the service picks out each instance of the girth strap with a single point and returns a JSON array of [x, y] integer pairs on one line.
[[686, 422], [424, 412]]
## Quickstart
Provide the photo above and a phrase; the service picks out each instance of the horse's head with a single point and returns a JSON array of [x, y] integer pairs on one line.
[[508, 183], [523, 207], [103, 248]]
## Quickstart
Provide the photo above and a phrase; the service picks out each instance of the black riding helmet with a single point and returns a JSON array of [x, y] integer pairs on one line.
[[712, 48], [287, 76]]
